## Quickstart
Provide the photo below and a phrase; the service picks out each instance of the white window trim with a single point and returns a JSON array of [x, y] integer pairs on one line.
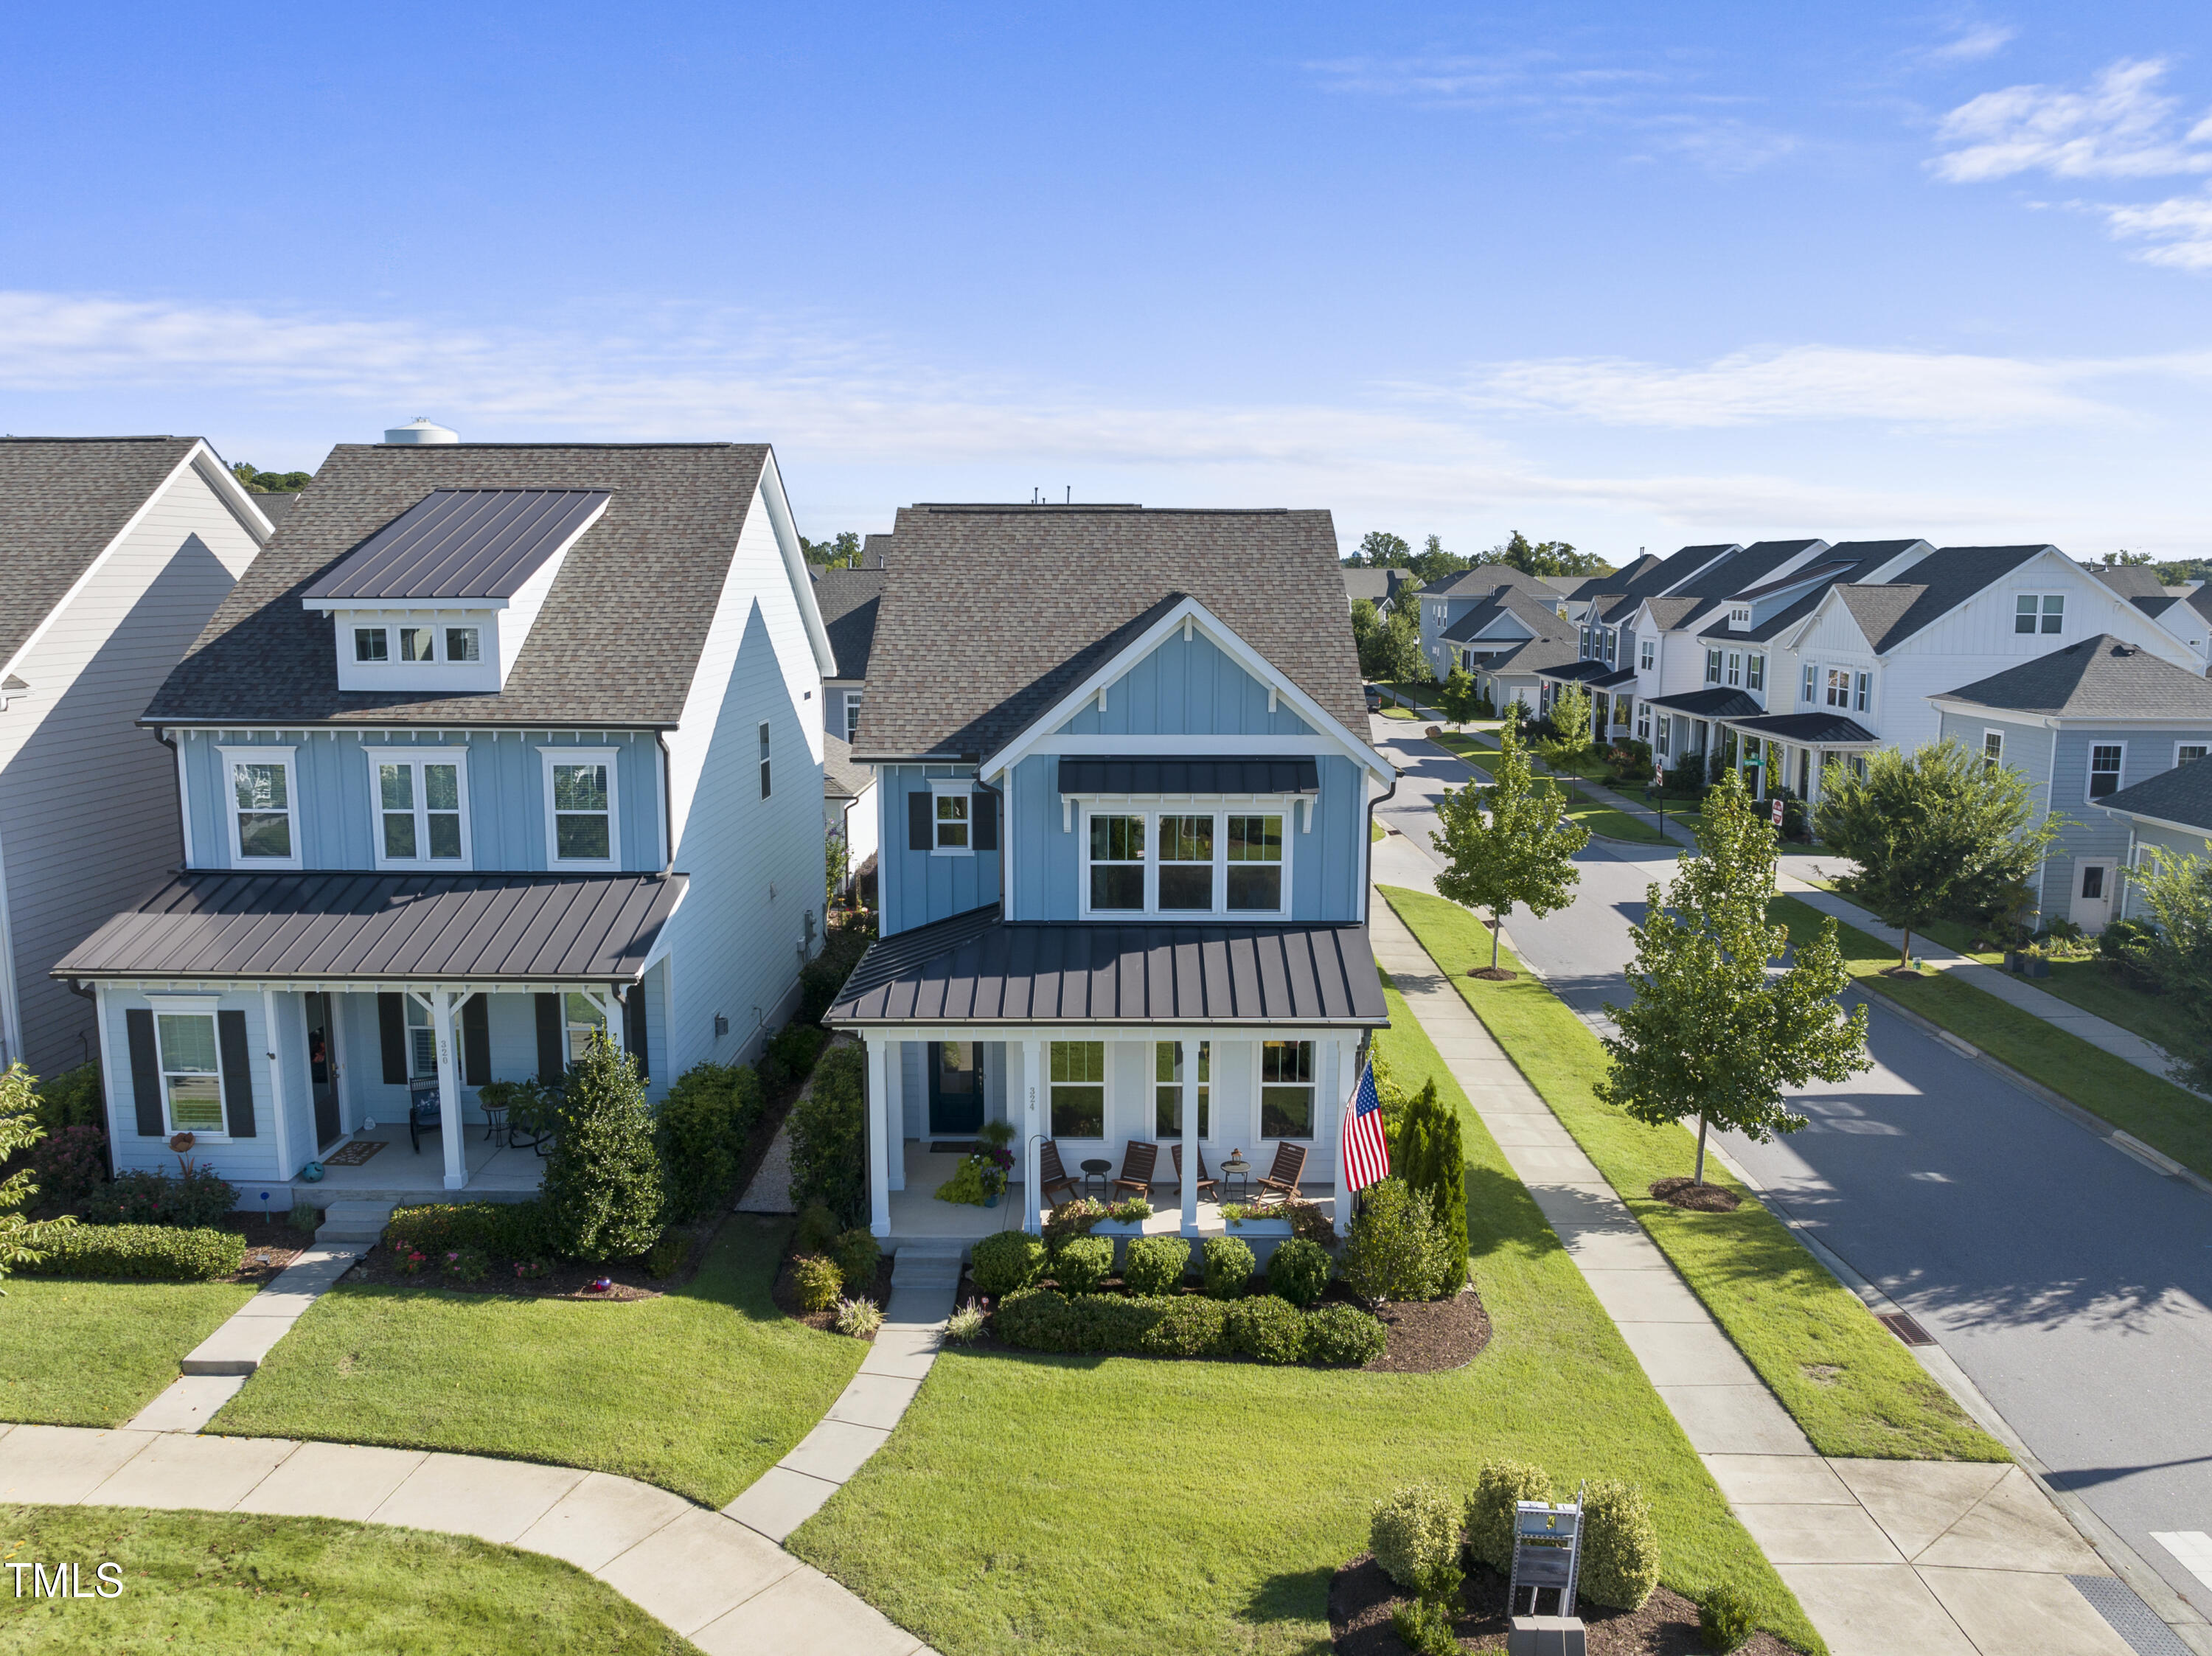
[[372, 661], [1647, 653], [1313, 1135], [1808, 688], [1715, 666], [2205, 744], [1862, 691], [1151, 809], [2039, 594], [607, 756], [852, 714], [954, 786], [455, 756], [446, 627], [230, 757], [1754, 670], [1734, 679], [189, 1006], [1997, 758], [2089, 771]]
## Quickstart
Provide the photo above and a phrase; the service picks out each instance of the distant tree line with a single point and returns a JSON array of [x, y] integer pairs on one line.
[[1381, 549], [841, 553], [270, 482]]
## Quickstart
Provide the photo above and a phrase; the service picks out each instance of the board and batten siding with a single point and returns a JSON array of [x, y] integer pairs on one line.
[[914, 887], [88, 800]]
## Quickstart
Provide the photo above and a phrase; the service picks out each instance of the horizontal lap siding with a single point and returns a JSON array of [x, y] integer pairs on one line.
[[243, 1161]]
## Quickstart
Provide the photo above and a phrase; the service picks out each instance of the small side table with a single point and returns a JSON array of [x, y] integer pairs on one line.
[[494, 1122], [1097, 1168], [1237, 1171]]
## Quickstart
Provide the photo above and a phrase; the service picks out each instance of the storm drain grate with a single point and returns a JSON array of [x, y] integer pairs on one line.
[[1902, 1324], [2132, 1619]]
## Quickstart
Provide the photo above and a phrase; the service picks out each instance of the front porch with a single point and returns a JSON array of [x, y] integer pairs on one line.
[[398, 1174], [916, 1215]]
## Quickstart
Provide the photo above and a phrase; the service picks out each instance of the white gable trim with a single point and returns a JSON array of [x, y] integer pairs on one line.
[[1189, 613], [794, 565], [199, 459]]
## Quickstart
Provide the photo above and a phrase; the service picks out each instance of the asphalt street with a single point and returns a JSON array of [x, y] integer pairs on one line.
[[2068, 1281]]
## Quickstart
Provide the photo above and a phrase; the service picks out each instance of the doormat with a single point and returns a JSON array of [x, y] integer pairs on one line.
[[353, 1155]]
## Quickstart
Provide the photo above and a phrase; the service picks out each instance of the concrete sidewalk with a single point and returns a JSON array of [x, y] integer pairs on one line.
[[1888, 1558]]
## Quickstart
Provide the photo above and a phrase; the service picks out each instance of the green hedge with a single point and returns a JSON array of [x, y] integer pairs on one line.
[[829, 1137], [701, 1127], [146, 1253], [1044, 1320], [506, 1230]]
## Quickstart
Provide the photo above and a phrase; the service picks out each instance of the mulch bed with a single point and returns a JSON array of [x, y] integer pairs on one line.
[[786, 1297], [1361, 1596], [271, 1244], [1681, 1193], [1494, 973], [564, 1279], [1422, 1337]]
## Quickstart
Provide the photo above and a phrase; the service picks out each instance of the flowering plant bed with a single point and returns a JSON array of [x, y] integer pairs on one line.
[[786, 1295]]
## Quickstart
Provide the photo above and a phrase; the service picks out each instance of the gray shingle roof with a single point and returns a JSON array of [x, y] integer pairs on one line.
[[63, 500], [461, 543], [1655, 575], [991, 614], [1488, 578], [1375, 585], [1515, 602], [2097, 676], [848, 599], [2183, 795], [2130, 580], [1930, 589], [615, 643], [876, 552], [841, 778]]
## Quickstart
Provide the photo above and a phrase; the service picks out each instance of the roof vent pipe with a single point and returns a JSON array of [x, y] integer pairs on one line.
[[420, 430]]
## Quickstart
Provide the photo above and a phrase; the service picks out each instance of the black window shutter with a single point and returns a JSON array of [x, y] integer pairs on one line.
[[237, 1073], [391, 1036], [634, 1029], [475, 1042], [552, 1045], [145, 1071], [987, 820], [920, 814]]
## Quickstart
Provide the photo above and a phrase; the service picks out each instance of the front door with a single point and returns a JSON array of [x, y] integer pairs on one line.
[[956, 1088], [322, 1068], [2093, 895]]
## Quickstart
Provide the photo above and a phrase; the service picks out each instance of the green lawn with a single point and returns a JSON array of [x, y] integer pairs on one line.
[[1398, 713], [94, 1354], [1376, 831], [215, 1584], [1031, 1504], [1843, 1377], [2089, 985], [700, 1391], [2154, 1110]]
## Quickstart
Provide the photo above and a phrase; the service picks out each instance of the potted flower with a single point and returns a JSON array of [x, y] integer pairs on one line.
[[1124, 1218]]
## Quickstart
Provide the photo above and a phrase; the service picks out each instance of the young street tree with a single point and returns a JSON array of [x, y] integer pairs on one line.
[[21, 1239], [1939, 834], [1509, 845], [1711, 1032], [1398, 651], [1457, 698], [1571, 714]]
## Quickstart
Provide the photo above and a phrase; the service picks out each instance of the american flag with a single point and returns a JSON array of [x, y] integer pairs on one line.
[[1364, 1155]]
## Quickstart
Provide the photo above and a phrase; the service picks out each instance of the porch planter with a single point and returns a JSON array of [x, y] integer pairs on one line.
[[1118, 1228], [2014, 959], [1248, 1227], [2037, 967]]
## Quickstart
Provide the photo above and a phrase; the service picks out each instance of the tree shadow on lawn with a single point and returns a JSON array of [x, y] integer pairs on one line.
[[1293, 1596]]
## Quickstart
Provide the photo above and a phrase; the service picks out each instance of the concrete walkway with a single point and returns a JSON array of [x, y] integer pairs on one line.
[[1888, 1558]]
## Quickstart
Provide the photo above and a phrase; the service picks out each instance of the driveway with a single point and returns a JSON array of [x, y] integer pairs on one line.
[[2069, 1281]]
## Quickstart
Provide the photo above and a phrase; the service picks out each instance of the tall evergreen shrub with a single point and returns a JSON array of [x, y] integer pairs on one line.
[[829, 1137], [603, 1187], [1430, 1159]]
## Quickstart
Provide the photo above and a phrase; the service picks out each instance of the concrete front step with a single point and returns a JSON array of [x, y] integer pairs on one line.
[[354, 1222]]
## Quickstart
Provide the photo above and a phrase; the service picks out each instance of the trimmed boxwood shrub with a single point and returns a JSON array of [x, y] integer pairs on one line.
[[1497, 1486], [1044, 1320], [818, 1282], [1155, 1265], [1267, 1328], [1083, 1263], [1228, 1268], [1620, 1545], [505, 1230], [1343, 1336], [197, 1198], [1299, 1271], [1726, 1615], [1006, 1261], [857, 1254], [149, 1254], [1188, 1327], [818, 1230], [1415, 1534]]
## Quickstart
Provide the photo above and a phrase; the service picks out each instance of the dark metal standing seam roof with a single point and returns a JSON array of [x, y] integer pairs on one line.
[[215, 923], [1137, 775], [1826, 730], [1718, 703], [975, 969], [461, 543]]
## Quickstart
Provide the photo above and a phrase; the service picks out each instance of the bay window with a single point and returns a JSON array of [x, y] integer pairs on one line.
[[422, 806], [1286, 1089], [264, 826], [1167, 1091], [1181, 862], [192, 1074], [1079, 1089], [580, 808]]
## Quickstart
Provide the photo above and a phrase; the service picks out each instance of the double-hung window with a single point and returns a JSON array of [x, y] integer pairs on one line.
[[1079, 1089], [1167, 1090], [192, 1073], [1863, 693], [262, 797], [1992, 748], [1286, 1089], [1642, 721], [1754, 672], [2039, 612], [580, 822], [1647, 654], [1612, 645], [951, 814], [1735, 668], [2104, 769], [581, 1019], [422, 806], [852, 714], [422, 1041], [1712, 666], [1808, 692], [1179, 861], [1839, 688]]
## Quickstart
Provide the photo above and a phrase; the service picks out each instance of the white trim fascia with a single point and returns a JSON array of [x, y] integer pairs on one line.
[[458, 758], [1222, 637], [961, 787], [99, 561], [234, 494], [11, 1017], [554, 864], [258, 754], [138, 984], [1118, 1029], [2072, 721], [2122, 814], [780, 519]]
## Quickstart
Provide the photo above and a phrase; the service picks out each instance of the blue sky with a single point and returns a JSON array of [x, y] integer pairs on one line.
[[1621, 275]]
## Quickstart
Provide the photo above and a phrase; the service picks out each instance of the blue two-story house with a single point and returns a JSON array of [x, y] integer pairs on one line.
[[1125, 808], [494, 747]]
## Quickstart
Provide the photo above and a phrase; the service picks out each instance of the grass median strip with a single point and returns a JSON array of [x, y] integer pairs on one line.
[[94, 1354], [1844, 1377], [2163, 1116], [990, 1523], [699, 1391]]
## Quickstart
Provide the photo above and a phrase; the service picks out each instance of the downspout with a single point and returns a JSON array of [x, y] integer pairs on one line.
[[1367, 897], [184, 834], [1006, 832]]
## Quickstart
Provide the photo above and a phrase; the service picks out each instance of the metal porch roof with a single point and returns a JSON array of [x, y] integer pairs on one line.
[[1114, 774]]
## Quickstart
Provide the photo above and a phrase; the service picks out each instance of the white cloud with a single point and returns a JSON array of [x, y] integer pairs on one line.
[[2180, 228], [1983, 40], [2122, 127]]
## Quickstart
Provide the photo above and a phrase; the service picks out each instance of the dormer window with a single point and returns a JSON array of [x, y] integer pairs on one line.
[[1739, 617], [371, 644], [464, 643], [416, 644]]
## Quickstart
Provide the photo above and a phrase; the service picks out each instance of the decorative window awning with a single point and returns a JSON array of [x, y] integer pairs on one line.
[[1232, 776]]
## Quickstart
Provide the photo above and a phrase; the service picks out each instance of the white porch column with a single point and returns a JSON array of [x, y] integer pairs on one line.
[[1340, 1089], [285, 1169], [1032, 1134], [895, 1111], [880, 1127], [449, 1090], [1188, 1049]]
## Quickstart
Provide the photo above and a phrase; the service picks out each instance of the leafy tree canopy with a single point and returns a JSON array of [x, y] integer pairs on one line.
[[1572, 716], [2182, 573], [1380, 549], [270, 482], [841, 553], [1545, 557], [1509, 845], [1939, 834], [1711, 1032], [2176, 947], [2126, 559], [21, 1241]]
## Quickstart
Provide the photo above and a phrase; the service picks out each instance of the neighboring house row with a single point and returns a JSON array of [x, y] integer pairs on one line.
[[1124, 803], [1378, 586], [2170, 812], [849, 810], [496, 747], [2184, 610], [113, 553]]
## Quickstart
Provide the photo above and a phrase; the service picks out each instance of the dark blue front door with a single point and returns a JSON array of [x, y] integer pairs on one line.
[[956, 1088]]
